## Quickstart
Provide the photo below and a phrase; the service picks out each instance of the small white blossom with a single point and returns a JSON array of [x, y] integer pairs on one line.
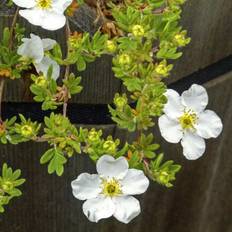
[[186, 120], [34, 49], [108, 192], [49, 14]]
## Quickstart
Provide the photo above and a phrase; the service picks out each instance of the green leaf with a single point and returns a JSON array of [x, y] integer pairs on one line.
[[81, 64], [47, 156], [57, 162]]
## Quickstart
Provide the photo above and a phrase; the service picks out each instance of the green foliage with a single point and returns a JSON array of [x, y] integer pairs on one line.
[[6, 129], [146, 146], [50, 94], [25, 130], [164, 173], [15, 133], [56, 160], [66, 140], [45, 90], [9, 182], [152, 36], [95, 146], [73, 84], [63, 137], [125, 117], [82, 49], [146, 37], [62, 134], [150, 102], [10, 64]]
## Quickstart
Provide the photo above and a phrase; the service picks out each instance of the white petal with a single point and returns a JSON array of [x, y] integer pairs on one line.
[[86, 186], [61, 5], [170, 129], [195, 98], [126, 208], [25, 3], [173, 108], [209, 125], [109, 167], [44, 66], [46, 19], [135, 182], [48, 44], [52, 21], [34, 16], [98, 208], [32, 48], [193, 146]]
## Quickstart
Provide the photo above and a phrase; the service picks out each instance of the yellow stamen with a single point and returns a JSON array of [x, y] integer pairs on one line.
[[111, 188], [44, 4], [188, 120]]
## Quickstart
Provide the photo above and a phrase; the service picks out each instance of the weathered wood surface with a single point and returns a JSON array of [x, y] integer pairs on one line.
[[209, 25], [199, 202]]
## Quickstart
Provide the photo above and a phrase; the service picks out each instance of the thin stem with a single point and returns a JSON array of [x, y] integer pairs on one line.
[[13, 27], [147, 169], [67, 70], [2, 81]]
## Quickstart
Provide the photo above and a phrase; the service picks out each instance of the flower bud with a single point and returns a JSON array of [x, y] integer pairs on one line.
[[93, 136], [161, 69], [41, 81], [69, 151], [111, 46], [7, 186], [138, 30], [120, 101], [26, 130], [180, 40], [124, 59], [109, 146]]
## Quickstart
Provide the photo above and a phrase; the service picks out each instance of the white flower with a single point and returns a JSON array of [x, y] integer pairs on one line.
[[186, 120], [34, 49], [49, 14], [108, 192]]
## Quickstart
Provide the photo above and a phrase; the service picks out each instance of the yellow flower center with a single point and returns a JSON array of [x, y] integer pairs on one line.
[[188, 120], [111, 188], [44, 4]]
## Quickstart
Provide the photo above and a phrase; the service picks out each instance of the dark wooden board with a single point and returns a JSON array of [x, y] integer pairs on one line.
[[208, 24], [199, 202]]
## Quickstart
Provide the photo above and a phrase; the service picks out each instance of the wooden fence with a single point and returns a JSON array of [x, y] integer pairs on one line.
[[200, 201]]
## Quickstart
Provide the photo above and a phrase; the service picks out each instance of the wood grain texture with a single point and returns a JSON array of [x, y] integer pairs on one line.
[[208, 23], [200, 201]]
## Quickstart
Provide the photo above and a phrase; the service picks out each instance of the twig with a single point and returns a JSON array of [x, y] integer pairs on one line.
[[67, 70], [13, 27], [147, 169], [2, 81]]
